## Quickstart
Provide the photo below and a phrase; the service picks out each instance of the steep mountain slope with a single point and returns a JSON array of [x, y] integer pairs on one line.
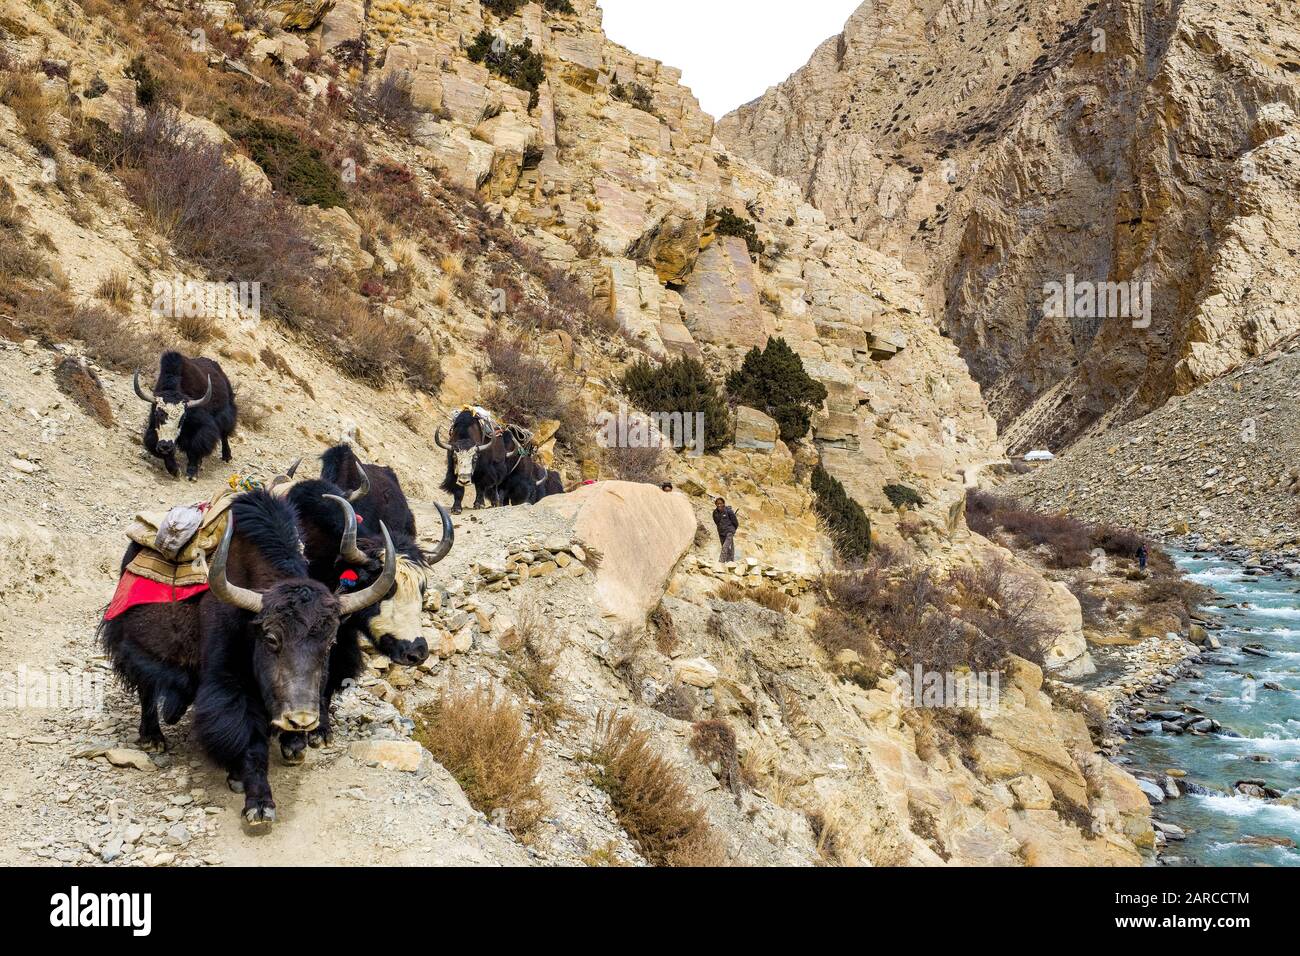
[[997, 146], [588, 221]]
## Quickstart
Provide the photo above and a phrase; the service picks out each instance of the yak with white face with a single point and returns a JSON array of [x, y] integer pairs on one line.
[[192, 407]]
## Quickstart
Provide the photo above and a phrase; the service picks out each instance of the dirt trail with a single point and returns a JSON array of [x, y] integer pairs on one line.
[[61, 538]]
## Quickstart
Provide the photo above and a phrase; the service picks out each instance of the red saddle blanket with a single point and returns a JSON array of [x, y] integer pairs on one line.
[[133, 589]]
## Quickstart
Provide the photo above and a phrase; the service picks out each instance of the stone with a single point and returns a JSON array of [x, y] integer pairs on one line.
[[755, 431], [404, 755], [695, 671], [1031, 792], [640, 532], [125, 757]]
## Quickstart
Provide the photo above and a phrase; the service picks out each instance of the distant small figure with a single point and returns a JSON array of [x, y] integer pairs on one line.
[[725, 520], [666, 486], [1142, 557]]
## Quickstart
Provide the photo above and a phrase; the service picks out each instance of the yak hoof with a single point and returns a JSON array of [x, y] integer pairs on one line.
[[152, 745], [259, 818], [235, 784], [319, 738], [293, 748], [293, 758]]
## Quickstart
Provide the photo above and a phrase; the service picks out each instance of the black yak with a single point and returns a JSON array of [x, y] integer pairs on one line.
[[192, 407], [374, 490], [477, 456], [251, 652]]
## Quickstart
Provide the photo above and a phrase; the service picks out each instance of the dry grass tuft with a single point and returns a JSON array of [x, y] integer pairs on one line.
[[115, 290], [731, 592], [649, 797], [533, 667], [199, 329], [774, 600], [22, 93], [484, 743]]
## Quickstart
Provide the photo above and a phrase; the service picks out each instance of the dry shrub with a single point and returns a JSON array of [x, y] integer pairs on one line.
[[388, 100], [1005, 609], [714, 743], [52, 316], [115, 290], [533, 668], [528, 388], [973, 619], [827, 838], [374, 347], [650, 800], [925, 826], [1071, 698], [80, 383], [1068, 540], [22, 93], [642, 464], [484, 744], [1092, 604], [198, 200], [664, 629]]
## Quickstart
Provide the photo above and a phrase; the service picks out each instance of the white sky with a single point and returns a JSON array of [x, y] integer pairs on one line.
[[729, 51]]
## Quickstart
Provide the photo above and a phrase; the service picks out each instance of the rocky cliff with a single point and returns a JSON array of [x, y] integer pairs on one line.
[[540, 178], [998, 146]]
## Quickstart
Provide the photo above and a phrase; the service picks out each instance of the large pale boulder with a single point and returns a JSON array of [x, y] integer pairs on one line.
[[639, 533]]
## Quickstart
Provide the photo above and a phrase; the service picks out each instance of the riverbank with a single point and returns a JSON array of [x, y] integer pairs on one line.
[[1213, 738]]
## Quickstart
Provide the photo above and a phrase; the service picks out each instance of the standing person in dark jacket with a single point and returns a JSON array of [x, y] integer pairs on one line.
[[725, 520], [1143, 556]]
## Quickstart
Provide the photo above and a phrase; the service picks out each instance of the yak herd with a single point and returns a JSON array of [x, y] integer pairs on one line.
[[298, 582]]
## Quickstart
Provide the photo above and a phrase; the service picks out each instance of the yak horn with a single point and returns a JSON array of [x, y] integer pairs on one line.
[[448, 538], [486, 445], [279, 480], [140, 391], [352, 603], [348, 549], [242, 598], [200, 402], [541, 481], [437, 439], [364, 490]]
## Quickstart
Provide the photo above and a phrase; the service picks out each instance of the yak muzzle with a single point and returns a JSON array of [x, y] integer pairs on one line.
[[295, 720]]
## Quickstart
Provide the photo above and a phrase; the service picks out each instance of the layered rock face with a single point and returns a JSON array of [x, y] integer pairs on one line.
[[1000, 146], [633, 202], [630, 199]]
